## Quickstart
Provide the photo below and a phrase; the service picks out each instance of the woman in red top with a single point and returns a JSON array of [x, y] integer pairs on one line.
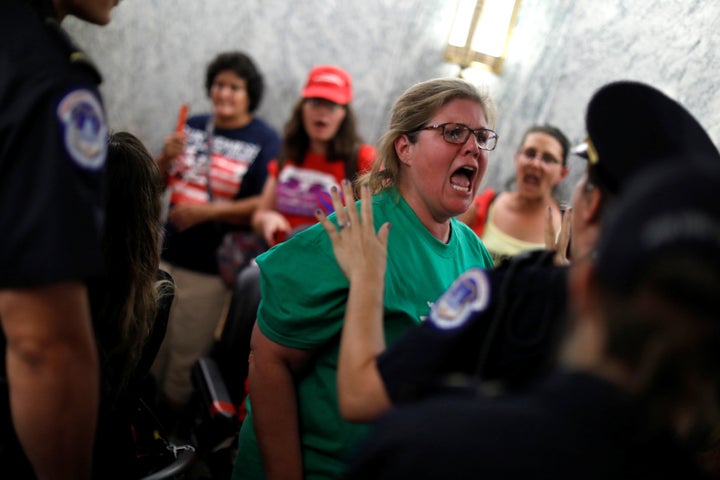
[[321, 146]]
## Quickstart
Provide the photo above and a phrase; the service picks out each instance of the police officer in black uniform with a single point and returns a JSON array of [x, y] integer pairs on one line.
[[52, 152], [500, 330], [482, 327]]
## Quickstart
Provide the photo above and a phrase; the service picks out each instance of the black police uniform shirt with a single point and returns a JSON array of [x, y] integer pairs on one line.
[[501, 325], [52, 153], [53, 138], [574, 426]]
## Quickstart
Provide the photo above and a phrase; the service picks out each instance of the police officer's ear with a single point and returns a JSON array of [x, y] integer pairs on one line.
[[591, 201]]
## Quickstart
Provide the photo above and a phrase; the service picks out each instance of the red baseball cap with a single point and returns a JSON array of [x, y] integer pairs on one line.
[[330, 83]]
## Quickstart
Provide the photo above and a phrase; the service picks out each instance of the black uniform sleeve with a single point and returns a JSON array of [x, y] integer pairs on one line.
[[420, 362], [449, 438], [52, 152], [500, 325]]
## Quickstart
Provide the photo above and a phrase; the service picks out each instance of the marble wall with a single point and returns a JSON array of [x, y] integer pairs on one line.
[[153, 56]]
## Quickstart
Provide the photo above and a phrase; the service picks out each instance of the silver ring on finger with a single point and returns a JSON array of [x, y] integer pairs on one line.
[[344, 224]]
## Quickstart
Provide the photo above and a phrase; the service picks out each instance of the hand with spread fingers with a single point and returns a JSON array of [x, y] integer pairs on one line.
[[362, 256], [558, 242], [358, 250]]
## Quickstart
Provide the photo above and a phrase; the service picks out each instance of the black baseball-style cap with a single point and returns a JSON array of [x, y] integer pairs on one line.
[[667, 212], [631, 126]]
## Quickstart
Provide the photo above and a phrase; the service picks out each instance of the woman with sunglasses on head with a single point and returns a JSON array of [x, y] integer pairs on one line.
[[512, 222], [431, 161]]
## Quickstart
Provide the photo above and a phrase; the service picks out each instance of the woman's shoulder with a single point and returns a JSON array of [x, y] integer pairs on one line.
[[307, 243]]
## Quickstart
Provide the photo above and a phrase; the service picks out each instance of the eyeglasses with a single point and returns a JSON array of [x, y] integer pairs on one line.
[[531, 154], [458, 134]]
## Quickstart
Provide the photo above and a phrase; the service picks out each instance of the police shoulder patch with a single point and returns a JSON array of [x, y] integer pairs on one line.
[[469, 293], [84, 128]]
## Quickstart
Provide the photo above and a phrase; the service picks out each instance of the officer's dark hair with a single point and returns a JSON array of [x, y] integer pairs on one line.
[[244, 67], [554, 132], [593, 181], [44, 8], [666, 331]]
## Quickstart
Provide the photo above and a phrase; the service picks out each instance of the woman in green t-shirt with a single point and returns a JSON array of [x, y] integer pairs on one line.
[[430, 165]]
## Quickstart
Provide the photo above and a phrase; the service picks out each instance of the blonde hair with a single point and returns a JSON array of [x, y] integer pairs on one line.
[[412, 110]]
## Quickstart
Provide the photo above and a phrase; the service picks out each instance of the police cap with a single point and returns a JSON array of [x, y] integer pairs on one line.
[[631, 126]]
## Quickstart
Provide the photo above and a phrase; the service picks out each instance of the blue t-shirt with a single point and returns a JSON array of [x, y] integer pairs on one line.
[[237, 169]]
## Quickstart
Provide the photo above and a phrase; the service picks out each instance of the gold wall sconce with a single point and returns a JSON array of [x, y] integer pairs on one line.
[[481, 32]]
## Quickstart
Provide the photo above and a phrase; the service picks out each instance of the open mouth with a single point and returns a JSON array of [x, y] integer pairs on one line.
[[320, 123], [531, 179], [462, 179]]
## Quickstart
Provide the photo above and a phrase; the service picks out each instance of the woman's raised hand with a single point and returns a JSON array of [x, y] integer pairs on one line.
[[359, 251]]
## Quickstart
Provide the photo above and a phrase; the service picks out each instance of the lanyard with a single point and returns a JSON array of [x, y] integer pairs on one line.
[[209, 127]]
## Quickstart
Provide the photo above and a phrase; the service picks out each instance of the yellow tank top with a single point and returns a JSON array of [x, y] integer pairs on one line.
[[500, 244]]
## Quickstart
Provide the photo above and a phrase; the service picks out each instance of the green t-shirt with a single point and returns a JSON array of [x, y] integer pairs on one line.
[[304, 294]]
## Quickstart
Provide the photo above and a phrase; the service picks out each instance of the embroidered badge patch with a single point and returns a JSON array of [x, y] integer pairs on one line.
[[469, 293], [85, 129]]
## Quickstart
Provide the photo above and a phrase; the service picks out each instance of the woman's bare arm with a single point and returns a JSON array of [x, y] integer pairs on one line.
[[267, 221], [274, 405], [362, 256], [558, 242], [53, 373]]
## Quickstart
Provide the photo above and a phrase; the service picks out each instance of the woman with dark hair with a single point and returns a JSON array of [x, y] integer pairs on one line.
[[321, 146], [515, 221], [131, 303], [134, 289], [214, 170]]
